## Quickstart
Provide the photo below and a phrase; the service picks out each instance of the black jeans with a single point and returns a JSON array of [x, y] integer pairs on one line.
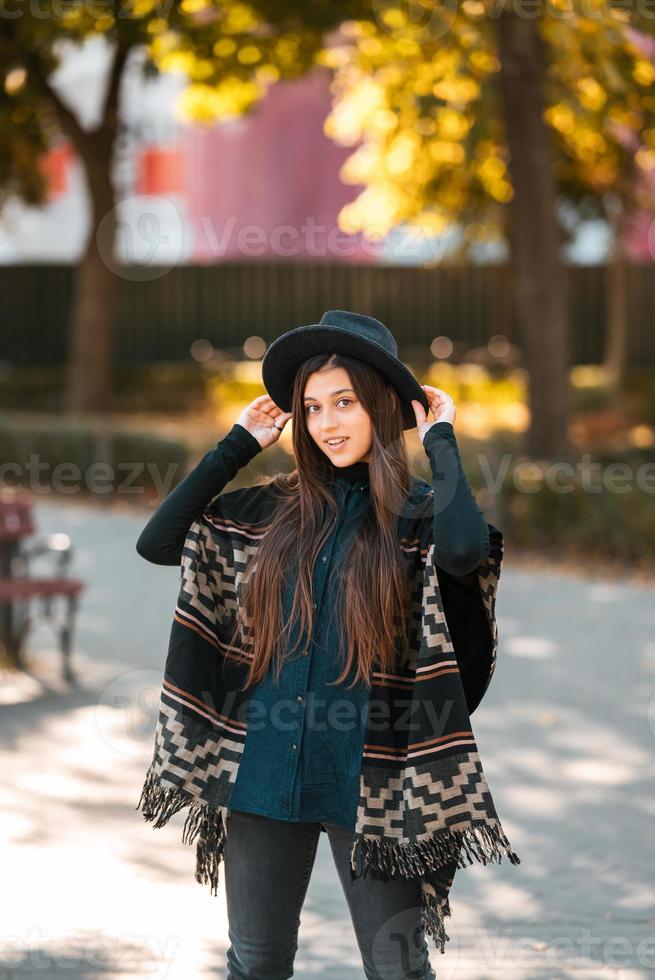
[[268, 864]]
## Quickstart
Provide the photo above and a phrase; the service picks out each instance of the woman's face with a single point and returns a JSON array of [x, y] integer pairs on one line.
[[333, 410]]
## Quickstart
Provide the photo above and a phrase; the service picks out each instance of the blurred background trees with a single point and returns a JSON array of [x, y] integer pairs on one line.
[[483, 124], [488, 122], [231, 52]]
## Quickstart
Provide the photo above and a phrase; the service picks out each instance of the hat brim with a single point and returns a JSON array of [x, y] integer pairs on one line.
[[285, 355]]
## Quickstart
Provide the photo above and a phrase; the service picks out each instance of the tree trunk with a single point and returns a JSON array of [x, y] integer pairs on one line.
[[616, 342], [539, 281], [93, 316]]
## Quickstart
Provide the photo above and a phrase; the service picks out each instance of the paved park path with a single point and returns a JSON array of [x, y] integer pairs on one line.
[[566, 734]]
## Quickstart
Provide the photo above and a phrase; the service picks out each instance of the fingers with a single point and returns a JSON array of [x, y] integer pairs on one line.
[[278, 414], [284, 416], [419, 411], [428, 389], [438, 399], [264, 410], [266, 404]]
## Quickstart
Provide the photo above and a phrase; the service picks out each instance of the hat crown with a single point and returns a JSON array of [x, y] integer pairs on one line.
[[354, 335], [364, 326]]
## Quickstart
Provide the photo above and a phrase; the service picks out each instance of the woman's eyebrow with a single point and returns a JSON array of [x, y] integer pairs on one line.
[[337, 392]]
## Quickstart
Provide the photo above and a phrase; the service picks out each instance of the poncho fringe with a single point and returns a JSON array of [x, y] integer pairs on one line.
[[369, 856], [204, 820]]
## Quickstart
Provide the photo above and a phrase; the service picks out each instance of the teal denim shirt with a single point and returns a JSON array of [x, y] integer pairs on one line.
[[305, 739]]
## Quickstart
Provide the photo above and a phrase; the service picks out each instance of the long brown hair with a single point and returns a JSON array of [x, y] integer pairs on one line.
[[373, 583]]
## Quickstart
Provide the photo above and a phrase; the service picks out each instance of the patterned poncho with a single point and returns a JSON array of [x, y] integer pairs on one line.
[[425, 807]]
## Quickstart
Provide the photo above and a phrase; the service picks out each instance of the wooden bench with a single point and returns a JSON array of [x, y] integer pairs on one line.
[[20, 591]]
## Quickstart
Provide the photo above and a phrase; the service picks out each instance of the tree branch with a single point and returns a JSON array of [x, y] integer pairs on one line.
[[110, 106], [83, 140], [67, 118]]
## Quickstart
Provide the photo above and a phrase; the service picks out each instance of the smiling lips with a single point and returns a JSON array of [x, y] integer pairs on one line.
[[339, 444]]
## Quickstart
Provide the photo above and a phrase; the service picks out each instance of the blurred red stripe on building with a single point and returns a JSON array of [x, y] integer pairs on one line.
[[160, 170], [55, 165]]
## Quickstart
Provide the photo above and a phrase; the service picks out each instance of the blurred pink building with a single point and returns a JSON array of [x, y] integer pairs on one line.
[[267, 185]]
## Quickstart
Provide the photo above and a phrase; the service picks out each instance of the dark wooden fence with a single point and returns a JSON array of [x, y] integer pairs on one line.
[[226, 303]]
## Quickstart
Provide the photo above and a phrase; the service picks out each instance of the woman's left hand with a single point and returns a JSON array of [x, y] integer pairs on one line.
[[441, 406]]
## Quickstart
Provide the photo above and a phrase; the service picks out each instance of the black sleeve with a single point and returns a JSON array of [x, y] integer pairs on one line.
[[470, 634], [461, 537], [162, 539], [461, 534]]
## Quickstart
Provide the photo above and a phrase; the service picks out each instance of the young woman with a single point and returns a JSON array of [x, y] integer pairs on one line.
[[327, 605]]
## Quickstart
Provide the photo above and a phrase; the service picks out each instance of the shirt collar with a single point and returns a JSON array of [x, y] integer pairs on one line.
[[356, 473]]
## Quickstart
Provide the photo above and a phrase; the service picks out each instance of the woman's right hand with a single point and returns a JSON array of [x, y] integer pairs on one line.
[[264, 420]]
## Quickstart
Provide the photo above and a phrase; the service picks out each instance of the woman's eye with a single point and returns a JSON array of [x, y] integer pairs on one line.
[[349, 400]]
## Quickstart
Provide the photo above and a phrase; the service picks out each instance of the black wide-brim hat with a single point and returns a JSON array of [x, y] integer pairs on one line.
[[340, 332]]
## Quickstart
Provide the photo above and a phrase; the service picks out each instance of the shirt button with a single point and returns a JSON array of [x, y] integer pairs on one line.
[[324, 558], [299, 699], [294, 746]]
